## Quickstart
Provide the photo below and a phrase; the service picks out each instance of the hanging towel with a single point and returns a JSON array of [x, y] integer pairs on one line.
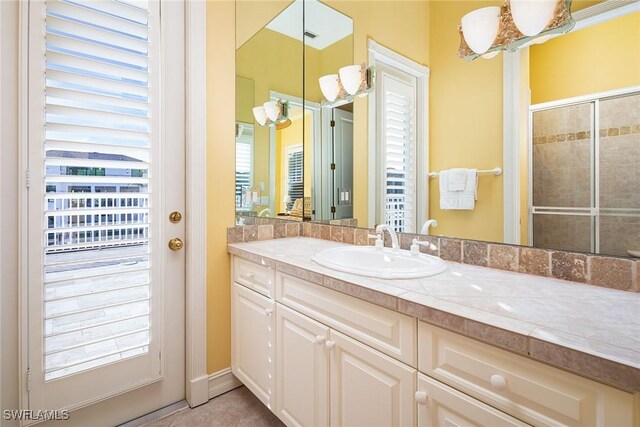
[[456, 179], [464, 199]]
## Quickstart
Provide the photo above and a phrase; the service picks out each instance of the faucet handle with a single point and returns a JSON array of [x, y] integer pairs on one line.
[[374, 236]]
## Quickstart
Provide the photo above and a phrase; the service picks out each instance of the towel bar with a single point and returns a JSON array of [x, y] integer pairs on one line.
[[495, 171]]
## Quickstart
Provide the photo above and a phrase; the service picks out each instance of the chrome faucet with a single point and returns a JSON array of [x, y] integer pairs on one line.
[[427, 224], [394, 237]]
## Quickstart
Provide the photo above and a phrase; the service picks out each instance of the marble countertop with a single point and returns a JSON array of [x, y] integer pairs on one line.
[[588, 330]]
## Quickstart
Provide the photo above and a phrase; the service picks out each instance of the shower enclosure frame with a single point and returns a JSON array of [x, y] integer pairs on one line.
[[593, 211]]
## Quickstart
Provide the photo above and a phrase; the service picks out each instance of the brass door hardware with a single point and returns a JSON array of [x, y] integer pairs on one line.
[[176, 244], [175, 217]]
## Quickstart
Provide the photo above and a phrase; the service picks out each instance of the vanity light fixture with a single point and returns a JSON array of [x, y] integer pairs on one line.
[[480, 28], [273, 113], [351, 81], [520, 23]]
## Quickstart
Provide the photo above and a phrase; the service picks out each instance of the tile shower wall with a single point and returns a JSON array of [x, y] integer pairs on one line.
[[562, 175], [620, 174]]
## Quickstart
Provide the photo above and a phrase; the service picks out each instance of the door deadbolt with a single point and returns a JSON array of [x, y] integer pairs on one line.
[[175, 217], [176, 244]]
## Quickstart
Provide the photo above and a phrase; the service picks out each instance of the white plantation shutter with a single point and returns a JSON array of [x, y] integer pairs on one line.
[[398, 129], [97, 145], [244, 160], [295, 170]]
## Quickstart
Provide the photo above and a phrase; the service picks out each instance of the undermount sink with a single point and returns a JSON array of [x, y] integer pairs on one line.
[[383, 263]]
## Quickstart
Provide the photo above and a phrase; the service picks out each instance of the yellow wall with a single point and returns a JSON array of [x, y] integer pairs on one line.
[[245, 99], [398, 25], [465, 122], [598, 58], [273, 62], [252, 15], [220, 177]]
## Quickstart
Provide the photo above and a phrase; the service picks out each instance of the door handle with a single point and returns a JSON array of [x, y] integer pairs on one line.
[[176, 244]]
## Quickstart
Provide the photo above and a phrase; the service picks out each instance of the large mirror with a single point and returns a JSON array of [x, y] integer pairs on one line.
[[380, 158], [284, 165]]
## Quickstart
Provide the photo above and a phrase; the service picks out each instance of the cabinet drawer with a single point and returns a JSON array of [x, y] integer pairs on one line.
[[385, 330], [258, 277], [536, 393], [441, 405]]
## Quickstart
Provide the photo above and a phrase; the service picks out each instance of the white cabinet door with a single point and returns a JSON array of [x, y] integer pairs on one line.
[[253, 342], [441, 405], [368, 388], [302, 380]]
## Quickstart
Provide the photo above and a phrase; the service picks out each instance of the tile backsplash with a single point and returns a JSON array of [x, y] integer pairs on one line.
[[610, 272]]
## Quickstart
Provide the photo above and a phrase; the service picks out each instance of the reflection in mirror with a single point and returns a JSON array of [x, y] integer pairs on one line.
[[584, 153], [577, 174], [269, 72], [328, 47], [334, 185]]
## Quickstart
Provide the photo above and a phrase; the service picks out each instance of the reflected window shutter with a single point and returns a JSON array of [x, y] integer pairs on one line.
[[244, 155], [399, 155], [295, 184]]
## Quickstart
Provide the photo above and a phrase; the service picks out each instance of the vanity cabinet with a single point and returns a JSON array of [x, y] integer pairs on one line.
[[531, 391], [318, 357], [302, 380], [441, 405], [253, 342], [368, 388], [324, 377]]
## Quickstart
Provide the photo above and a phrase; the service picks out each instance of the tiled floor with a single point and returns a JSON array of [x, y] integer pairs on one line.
[[238, 407]]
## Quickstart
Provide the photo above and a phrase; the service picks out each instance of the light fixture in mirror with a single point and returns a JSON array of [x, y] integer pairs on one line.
[[480, 28], [272, 109], [330, 86], [352, 77], [272, 113], [532, 16], [260, 115], [534, 23], [352, 80]]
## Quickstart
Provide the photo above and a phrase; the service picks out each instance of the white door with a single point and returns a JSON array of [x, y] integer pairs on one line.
[[343, 159], [253, 342], [369, 388], [396, 149], [105, 293], [441, 405], [302, 380]]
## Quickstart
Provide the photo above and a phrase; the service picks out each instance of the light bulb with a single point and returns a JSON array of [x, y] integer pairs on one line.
[[480, 28], [532, 16], [272, 109], [260, 115], [330, 86], [351, 78]]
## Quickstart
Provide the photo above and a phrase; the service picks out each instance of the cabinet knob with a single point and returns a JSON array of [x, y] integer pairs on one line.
[[268, 311], [330, 344], [498, 382], [319, 339], [421, 398]]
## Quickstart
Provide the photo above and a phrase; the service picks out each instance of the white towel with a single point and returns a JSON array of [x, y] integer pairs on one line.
[[456, 179], [464, 199]]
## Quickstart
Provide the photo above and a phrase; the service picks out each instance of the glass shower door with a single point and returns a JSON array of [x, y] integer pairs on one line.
[[619, 175], [562, 177]]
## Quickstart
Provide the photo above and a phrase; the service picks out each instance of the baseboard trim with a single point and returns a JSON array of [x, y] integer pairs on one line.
[[221, 382]]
